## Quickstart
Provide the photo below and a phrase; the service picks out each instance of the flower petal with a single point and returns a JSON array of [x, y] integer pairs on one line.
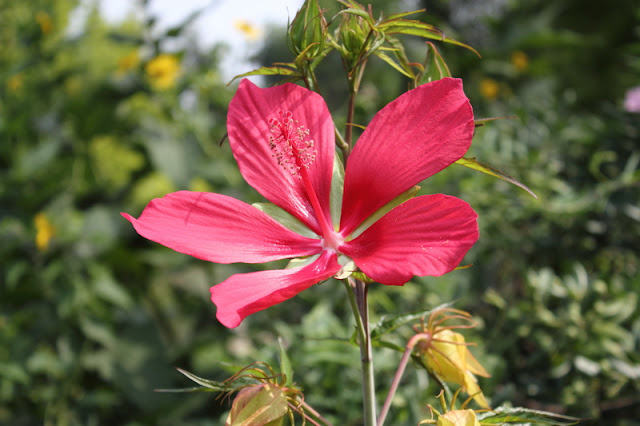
[[415, 136], [244, 294], [427, 235], [249, 133], [219, 229]]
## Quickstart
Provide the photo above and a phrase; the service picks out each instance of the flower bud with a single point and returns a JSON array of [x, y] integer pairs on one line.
[[258, 405], [458, 418], [307, 31]]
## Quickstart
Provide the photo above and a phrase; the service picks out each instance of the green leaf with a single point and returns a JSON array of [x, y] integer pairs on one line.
[[503, 415], [393, 63], [210, 384], [285, 364], [276, 70], [359, 12], [389, 323], [484, 168], [420, 29]]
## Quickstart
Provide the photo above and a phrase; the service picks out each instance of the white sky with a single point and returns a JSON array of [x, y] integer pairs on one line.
[[216, 22]]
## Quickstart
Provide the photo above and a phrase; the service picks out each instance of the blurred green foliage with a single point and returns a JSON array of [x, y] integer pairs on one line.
[[93, 318]]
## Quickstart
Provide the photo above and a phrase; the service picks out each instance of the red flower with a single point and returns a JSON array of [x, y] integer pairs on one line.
[[283, 141]]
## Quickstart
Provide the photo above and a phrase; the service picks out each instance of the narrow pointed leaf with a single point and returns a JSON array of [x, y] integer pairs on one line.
[[420, 29], [393, 63], [269, 71], [210, 384], [484, 168], [402, 15], [359, 12]]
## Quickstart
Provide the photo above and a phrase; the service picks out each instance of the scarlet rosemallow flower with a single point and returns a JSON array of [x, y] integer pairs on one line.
[[283, 140]]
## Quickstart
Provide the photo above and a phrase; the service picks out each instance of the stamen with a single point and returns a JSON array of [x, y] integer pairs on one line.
[[289, 144]]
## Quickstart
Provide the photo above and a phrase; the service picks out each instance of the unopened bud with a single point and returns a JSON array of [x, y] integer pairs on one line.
[[307, 31]]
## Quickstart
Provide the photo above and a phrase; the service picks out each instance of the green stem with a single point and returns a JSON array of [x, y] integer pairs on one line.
[[358, 292]]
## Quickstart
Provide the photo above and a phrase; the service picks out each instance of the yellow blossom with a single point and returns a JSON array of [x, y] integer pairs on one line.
[[163, 71], [489, 88], [128, 62], [449, 358], [44, 20], [520, 60], [15, 83], [458, 418], [44, 231], [250, 31]]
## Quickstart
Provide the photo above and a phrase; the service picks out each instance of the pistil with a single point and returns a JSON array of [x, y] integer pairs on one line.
[[295, 153]]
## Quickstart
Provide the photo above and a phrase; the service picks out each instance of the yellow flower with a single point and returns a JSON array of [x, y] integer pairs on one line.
[[458, 418], [44, 231], [15, 83], [128, 62], [163, 71], [449, 358], [520, 60], [489, 88], [250, 31], [44, 20]]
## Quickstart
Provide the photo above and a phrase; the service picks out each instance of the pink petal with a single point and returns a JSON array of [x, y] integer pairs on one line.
[[427, 235], [249, 132], [244, 294], [219, 229], [415, 136]]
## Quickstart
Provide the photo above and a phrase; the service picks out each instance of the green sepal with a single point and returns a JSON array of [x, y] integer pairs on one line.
[[406, 195], [299, 262], [337, 189], [285, 364], [435, 68], [485, 168], [286, 219], [506, 415]]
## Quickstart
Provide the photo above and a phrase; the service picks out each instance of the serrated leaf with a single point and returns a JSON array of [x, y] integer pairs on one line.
[[485, 168], [389, 323], [503, 415], [269, 71], [285, 364]]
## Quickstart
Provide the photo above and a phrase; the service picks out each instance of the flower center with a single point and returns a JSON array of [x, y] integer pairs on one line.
[[296, 153], [289, 144]]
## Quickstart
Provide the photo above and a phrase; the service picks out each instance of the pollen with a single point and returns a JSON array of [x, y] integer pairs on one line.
[[289, 141]]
